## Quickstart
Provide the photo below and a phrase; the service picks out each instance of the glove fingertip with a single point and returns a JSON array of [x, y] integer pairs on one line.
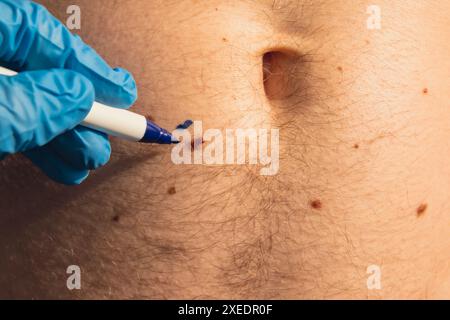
[[77, 181], [97, 156], [128, 82], [122, 93], [82, 89], [56, 168], [83, 148]]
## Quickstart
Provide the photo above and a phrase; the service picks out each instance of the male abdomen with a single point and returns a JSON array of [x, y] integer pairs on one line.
[[357, 207]]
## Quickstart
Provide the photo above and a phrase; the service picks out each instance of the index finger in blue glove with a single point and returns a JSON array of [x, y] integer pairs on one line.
[[37, 106], [83, 148], [55, 167], [32, 39]]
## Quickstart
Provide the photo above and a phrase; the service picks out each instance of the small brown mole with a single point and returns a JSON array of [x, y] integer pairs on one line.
[[224, 39], [356, 146], [171, 190], [193, 143], [150, 117], [316, 204], [421, 209], [425, 91], [116, 218], [340, 69]]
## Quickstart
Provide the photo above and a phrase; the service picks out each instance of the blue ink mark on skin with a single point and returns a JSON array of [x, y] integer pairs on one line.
[[185, 124]]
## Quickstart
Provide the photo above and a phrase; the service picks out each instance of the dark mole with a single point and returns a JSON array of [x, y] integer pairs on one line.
[[425, 91], [316, 204], [193, 143], [421, 209], [340, 69], [171, 190], [150, 117], [224, 39], [356, 146], [116, 218]]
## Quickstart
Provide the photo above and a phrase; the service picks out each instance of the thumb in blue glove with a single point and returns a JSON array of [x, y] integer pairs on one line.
[[40, 110]]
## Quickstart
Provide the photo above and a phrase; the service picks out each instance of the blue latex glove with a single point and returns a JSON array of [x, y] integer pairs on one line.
[[40, 110]]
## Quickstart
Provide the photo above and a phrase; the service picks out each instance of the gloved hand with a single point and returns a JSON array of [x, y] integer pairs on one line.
[[40, 110]]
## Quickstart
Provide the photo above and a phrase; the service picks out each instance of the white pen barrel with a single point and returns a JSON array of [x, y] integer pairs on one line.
[[7, 72], [113, 121], [116, 122]]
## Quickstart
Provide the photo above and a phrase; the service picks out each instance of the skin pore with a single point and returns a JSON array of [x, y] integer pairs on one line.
[[364, 177]]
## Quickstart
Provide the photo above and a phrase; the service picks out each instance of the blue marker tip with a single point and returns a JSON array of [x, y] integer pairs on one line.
[[185, 124], [156, 134]]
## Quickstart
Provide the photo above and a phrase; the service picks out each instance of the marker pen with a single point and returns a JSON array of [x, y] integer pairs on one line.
[[120, 123]]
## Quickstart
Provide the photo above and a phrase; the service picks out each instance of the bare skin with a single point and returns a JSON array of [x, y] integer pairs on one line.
[[364, 176]]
